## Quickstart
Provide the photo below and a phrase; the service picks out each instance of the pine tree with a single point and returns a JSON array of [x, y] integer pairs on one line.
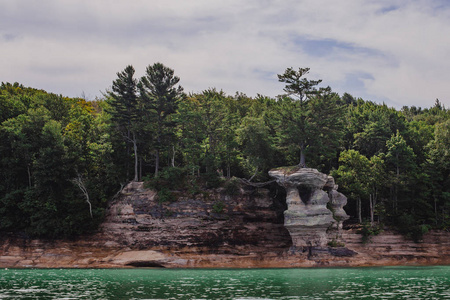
[[160, 97], [294, 111], [125, 112]]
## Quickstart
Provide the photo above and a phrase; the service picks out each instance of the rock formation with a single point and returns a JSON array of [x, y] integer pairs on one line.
[[315, 207], [248, 233]]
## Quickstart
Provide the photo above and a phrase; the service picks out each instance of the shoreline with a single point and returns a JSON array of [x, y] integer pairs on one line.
[[248, 233], [94, 252]]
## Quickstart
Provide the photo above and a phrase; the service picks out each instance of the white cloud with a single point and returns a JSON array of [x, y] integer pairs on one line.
[[394, 51]]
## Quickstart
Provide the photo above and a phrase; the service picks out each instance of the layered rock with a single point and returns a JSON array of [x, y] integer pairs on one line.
[[315, 208], [247, 233], [212, 220]]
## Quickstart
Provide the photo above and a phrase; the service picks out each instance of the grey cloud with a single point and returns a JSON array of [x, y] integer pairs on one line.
[[378, 49], [327, 47], [9, 37], [39, 69]]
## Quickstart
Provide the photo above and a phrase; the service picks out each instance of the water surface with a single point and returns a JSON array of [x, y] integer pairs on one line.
[[333, 283]]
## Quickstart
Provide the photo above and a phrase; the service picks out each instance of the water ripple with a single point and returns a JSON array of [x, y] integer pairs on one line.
[[343, 283]]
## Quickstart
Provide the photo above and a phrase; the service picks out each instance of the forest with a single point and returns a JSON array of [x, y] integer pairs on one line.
[[63, 159]]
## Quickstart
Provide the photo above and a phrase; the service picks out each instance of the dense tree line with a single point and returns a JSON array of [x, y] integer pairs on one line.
[[63, 159], [57, 163]]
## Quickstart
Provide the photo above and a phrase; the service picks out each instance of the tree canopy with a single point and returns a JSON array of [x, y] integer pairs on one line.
[[62, 159]]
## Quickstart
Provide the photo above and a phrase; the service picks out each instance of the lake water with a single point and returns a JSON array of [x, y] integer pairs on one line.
[[327, 283]]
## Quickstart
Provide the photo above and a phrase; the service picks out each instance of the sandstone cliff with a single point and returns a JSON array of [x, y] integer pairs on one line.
[[210, 230]]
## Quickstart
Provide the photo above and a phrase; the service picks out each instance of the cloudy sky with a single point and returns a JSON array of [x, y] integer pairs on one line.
[[392, 51]]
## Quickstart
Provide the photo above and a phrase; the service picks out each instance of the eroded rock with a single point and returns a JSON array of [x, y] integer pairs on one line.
[[252, 236], [308, 219]]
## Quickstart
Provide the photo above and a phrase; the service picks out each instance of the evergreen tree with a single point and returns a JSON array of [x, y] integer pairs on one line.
[[125, 113], [294, 113], [325, 120], [160, 97]]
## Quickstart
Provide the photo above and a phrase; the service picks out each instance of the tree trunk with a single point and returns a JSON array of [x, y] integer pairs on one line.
[[435, 211], [395, 200], [396, 185], [358, 203], [302, 156], [228, 163], [79, 182], [158, 143], [127, 164], [140, 168], [371, 205], [251, 178], [29, 175], [156, 162], [173, 156], [136, 159]]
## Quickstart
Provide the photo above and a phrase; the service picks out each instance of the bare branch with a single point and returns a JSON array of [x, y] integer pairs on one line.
[[80, 183], [255, 184], [120, 191]]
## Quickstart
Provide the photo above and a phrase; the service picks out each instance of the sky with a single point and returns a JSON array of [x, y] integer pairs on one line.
[[391, 51]]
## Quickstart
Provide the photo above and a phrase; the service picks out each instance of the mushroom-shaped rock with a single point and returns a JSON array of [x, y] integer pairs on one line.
[[308, 192]]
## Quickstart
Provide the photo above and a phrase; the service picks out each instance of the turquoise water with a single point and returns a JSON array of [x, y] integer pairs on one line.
[[333, 283]]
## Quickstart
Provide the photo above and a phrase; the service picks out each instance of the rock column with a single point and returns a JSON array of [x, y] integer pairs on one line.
[[307, 218]]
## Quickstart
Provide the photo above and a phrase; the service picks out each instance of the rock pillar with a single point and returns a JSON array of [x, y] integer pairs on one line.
[[308, 219]]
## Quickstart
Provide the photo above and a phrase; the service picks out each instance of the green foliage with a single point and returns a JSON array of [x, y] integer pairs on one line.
[[368, 231], [370, 126], [168, 180], [211, 179], [335, 244], [232, 186], [165, 195], [353, 174], [297, 84], [326, 125], [45, 145], [159, 97], [409, 227], [311, 122], [60, 156], [256, 144], [123, 101], [218, 207]]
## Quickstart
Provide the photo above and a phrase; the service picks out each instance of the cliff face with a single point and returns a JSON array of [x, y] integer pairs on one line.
[[210, 230], [211, 222]]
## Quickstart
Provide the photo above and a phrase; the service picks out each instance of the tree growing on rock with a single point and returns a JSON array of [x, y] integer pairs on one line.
[[309, 115], [301, 88]]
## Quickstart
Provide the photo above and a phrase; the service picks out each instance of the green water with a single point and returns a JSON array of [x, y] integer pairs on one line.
[[333, 283]]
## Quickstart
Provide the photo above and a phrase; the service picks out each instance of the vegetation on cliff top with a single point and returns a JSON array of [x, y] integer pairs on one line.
[[63, 158]]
